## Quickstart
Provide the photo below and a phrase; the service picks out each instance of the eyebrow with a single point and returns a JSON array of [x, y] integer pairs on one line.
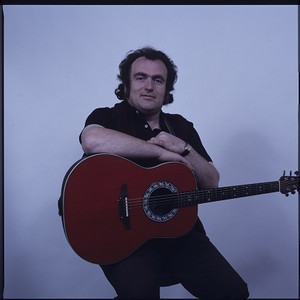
[[147, 75]]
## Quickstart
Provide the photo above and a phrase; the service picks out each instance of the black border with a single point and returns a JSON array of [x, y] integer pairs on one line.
[[2, 155], [111, 2]]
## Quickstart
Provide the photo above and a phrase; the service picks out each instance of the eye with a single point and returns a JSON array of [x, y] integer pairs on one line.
[[140, 77], [159, 80]]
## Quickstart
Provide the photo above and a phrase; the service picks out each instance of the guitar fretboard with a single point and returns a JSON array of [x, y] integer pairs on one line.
[[222, 193]]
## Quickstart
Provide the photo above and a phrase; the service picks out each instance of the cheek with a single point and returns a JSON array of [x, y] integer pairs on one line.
[[135, 88], [164, 93]]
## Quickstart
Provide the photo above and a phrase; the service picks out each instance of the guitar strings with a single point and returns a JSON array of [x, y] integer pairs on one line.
[[198, 194]]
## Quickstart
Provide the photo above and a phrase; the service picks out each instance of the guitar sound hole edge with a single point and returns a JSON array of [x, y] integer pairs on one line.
[[158, 202]]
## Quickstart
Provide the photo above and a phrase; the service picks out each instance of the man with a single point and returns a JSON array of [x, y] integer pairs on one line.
[[139, 130]]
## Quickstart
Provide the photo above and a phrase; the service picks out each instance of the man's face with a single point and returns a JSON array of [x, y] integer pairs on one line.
[[147, 85]]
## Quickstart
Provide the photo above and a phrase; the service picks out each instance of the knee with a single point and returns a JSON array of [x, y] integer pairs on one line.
[[238, 292]]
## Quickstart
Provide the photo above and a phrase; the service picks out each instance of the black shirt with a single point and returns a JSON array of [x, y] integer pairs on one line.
[[127, 119]]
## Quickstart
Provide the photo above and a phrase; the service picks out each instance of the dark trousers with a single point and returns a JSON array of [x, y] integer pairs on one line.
[[191, 260]]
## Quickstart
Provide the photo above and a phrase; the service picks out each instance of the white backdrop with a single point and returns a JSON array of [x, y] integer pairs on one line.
[[237, 84]]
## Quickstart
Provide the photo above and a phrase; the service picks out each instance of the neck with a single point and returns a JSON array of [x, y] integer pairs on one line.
[[152, 117], [154, 125], [153, 120]]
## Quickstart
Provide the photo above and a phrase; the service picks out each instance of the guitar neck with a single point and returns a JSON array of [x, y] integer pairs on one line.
[[224, 193]]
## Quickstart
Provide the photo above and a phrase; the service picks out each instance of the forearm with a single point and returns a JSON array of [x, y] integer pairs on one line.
[[206, 173], [97, 139]]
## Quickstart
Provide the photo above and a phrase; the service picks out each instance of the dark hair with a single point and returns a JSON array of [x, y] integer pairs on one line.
[[123, 89]]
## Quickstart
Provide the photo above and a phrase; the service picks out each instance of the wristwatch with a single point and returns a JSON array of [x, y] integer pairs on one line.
[[186, 150]]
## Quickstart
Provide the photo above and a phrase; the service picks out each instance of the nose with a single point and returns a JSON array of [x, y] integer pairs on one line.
[[149, 83]]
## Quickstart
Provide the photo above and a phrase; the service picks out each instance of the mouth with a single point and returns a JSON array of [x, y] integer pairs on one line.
[[148, 96]]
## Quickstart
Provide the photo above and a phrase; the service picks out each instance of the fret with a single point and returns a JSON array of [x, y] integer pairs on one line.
[[189, 198]]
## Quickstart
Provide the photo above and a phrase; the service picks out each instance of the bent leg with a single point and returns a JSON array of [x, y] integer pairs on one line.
[[137, 276], [205, 273]]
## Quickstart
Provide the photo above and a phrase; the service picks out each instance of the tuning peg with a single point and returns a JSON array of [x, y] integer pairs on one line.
[[284, 173], [296, 173], [290, 173]]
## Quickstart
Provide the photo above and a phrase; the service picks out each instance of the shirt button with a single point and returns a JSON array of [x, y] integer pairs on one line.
[[146, 125]]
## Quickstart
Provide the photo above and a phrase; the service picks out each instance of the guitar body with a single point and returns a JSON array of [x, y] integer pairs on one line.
[[110, 206]]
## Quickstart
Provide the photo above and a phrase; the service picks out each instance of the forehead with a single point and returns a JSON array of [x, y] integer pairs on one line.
[[148, 66]]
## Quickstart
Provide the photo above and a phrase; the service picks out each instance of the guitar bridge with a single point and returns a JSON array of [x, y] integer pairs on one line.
[[124, 206]]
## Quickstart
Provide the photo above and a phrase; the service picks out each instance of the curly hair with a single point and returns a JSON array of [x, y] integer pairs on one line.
[[122, 91]]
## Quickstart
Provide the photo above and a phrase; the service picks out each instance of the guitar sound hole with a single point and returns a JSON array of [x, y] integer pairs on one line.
[[160, 203]]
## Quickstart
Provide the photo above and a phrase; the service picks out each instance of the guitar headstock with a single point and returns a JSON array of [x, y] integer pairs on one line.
[[289, 184]]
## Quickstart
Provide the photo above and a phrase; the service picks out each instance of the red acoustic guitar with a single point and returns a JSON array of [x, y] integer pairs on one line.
[[111, 206]]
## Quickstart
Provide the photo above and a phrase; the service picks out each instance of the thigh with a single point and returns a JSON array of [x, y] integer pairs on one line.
[[203, 270], [137, 276]]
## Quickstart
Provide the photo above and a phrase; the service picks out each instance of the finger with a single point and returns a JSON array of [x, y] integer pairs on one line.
[[156, 141]]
